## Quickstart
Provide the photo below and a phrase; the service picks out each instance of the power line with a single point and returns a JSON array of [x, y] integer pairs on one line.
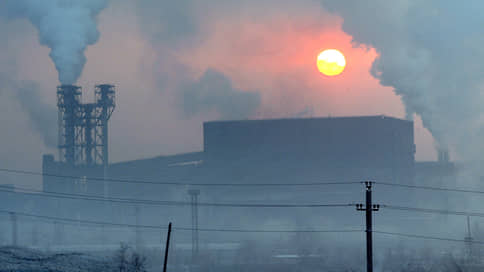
[[165, 202], [139, 181], [437, 211], [92, 222], [426, 237], [431, 188], [157, 227]]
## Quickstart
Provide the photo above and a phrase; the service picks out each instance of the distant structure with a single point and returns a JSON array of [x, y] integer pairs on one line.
[[366, 147], [443, 155], [82, 140], [194, 206], [83, 128]]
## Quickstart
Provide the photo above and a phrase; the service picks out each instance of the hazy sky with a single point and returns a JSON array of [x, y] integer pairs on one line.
[[253, 59]]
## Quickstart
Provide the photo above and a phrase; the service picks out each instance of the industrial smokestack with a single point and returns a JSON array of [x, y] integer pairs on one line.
[[68, 103], [105, 95], [83, 128]]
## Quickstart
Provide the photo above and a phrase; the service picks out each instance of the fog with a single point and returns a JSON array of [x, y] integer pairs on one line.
[[224, 98]]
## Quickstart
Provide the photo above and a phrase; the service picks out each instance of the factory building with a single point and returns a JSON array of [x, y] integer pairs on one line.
[[336, 148], [277, 151], [263, 151]]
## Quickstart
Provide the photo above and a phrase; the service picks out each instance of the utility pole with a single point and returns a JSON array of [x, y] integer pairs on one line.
[[13, 218], [138, 230], [165, 263], [58, 233], [369, 208], [468, 241]]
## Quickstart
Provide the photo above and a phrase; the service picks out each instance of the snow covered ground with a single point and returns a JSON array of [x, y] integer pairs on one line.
[[23, 260]]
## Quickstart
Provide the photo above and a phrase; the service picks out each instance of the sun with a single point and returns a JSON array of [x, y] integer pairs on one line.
[[331, 62]]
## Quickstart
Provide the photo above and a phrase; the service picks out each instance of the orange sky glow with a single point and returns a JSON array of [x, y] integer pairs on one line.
[[278, 60], [275, 57]]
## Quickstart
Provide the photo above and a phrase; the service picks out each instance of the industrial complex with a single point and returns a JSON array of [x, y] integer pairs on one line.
[[271, 155], [263, 151]]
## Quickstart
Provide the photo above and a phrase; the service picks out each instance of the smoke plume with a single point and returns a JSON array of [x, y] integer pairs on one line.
[[214, 91], [170, 22], [430, 52], [42, 116], [174, 26], [67, 27]]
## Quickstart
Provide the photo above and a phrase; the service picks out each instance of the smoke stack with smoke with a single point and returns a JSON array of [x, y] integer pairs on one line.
[[430, 52], [67, 27]]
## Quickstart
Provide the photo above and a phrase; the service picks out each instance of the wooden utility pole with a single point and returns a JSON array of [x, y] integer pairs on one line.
[[13, 218], [138, 228], [369, 207], [167, 247]]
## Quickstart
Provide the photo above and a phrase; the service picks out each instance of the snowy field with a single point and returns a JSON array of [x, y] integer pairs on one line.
[[22, 259]]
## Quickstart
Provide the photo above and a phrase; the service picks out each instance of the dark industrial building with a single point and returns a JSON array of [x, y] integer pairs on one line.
[[263, 151], [344, 148]]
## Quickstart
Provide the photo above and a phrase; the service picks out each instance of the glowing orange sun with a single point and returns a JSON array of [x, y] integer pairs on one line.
[[331, 62]]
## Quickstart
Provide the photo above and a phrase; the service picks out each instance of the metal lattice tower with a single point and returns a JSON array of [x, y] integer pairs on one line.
[[69, 105], [194, 205], [83, 128], [105, 95]]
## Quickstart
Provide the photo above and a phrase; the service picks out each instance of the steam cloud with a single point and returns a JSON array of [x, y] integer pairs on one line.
[[67, 27], [168, 21], [430, 52], [42, 116], [214, 91], [171, 25]]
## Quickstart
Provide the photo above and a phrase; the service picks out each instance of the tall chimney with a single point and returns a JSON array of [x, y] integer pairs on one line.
[[68, 103]]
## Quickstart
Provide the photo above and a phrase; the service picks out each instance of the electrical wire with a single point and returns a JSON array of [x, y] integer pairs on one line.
[[139, 181], [39, 193], [157, 227], [436, 211], [431, 188], [426, 237], [92, 222]]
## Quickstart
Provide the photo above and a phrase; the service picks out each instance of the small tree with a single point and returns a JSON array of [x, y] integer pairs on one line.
[[121, 258], [128, 260], [137, 263]]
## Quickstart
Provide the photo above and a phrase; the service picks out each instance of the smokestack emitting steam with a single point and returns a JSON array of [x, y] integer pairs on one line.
[[67, 27], [431, 53]]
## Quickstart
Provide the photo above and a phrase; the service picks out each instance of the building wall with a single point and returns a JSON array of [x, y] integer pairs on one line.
[[259, 151], [363, 145], [64, 178]]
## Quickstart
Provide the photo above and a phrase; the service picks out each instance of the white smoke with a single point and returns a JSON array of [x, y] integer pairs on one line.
[[431, 53], [67, 27]]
